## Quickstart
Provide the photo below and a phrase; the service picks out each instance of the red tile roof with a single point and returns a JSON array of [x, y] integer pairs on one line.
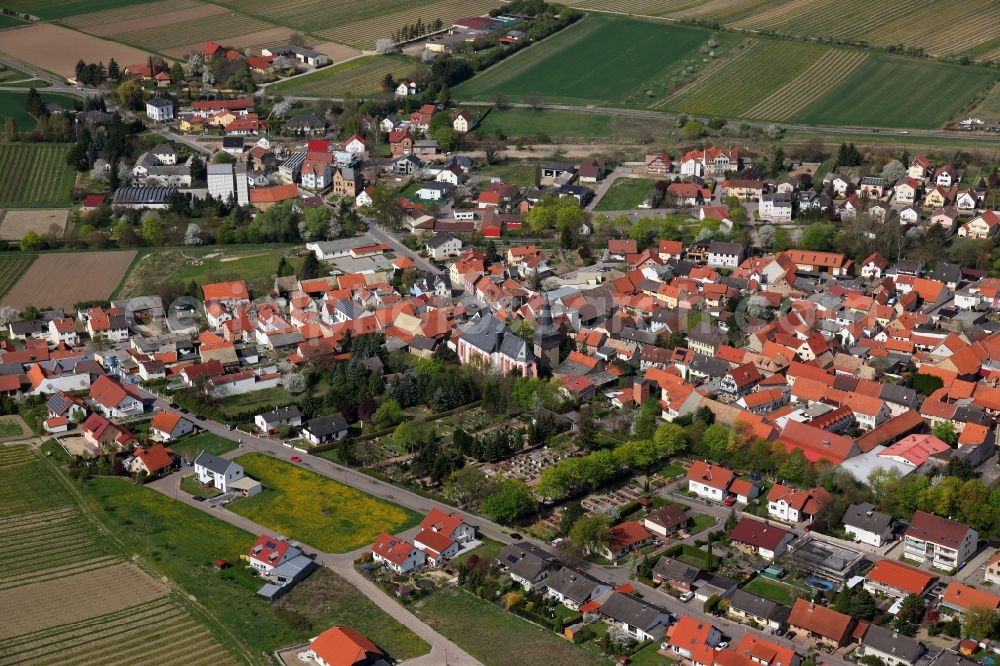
[[900, 576], [343, 646]]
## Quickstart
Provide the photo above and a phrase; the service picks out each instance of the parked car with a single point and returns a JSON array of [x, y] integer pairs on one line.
[[687, 596], [729, 501], [198, 498], [174, 405], [229, 426], [295, 459], [201, 417], [515, 536]]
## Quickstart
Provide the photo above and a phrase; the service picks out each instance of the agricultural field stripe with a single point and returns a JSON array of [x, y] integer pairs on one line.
[[705, 79], [832, 68]]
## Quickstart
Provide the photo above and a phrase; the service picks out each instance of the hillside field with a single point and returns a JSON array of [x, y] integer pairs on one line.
[[35, 175], [587, 64], [819, 85]]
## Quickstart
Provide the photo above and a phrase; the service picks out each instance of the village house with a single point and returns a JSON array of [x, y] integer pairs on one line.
[[169, 426], [867, 525], [821, 623], [760, 539], [151, 460], [323, 429], [944, 543], [397, 554]]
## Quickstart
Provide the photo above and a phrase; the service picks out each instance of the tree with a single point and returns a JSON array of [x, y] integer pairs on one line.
[[222, 157], [384, 46], [945, 431], [114, 71], [980, 622], [388, 414], [315, 223], [130, 94], [591, 532], [10, 129], [717, 439], [910, 615], [510, 503], [152, 230], [8, 314], [196, 64], [30, 241], [176, 72], [311, 268], [587, 435], [893, 171], [33, 103], [670, 439], [406, 436], [644, 424], [692, 130], [820, 237], [294, 382], [207, 78]]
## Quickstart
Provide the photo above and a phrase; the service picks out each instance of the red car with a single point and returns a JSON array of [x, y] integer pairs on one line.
[[729, 501], [295, 459]]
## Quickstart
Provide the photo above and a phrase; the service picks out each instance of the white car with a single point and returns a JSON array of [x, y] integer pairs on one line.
[[687, 596], [722, 646]]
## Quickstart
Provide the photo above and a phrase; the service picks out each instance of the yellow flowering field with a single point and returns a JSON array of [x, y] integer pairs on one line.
[[315, 509]]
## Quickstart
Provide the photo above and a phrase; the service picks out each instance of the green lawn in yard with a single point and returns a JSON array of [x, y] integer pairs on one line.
[[183, 542], [650, 656], [494, 636], [192, 486], [315, 509], [701, 522], [586, 64], [626, 194], [691, 555], [486, 552], [205, 441], [672, 470], [512, 172], [771, 589], [9, 428]]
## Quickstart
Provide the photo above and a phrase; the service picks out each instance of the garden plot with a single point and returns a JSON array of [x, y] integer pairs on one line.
[[42, 221]]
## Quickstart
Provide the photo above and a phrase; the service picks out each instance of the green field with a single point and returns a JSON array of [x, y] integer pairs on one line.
[[626, 194], [34, 175], [257, 266], [263, 400], [12, 105], [363, 76], [587, 64], [889, 91], [818, 85], [316, 509], [12, 267], [50, 10], [183, 542], [491, 635]]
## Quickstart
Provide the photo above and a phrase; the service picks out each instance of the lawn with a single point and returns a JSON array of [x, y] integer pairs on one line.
[[672, 470], [513, 172], [626, 194], [771, 589], [205, 441], [486, 552], [192, 486], [12, 105], [183, 542], [650, 656], [586, 64], [492, 635], [556, 124], [315, 509], [362, 76], [692, 555], [35, 175], [701, 522]]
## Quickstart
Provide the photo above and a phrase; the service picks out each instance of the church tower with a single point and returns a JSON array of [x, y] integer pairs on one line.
[[547, 339]]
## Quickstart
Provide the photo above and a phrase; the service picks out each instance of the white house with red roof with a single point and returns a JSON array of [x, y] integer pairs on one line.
[[443, 535], [269, 552], [356, 145], [63, 331], [100, 433], [116, 400], [169, 426], [944, 543], [708, 480], [398, 554], [693, 639], [766, 541]]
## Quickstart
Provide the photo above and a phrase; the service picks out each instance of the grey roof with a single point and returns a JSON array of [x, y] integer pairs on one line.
[[525, 560], [213, 463], [675, 570], [756, 606], [433, 185], [900, 395], [350, 309], [143, 195], [232, 142], [283, 414], [27, 327], [865, 517], [904, 648], [164, 149], [720, 247], [330, 424], [945, 272], [307, 120], [709, 366], [285, 339], [292, 570], [159, 102], [491, 335], [437, 240], [634, 611], [574, 585]]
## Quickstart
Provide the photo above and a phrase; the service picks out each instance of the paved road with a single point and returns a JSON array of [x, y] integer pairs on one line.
[[384, 236], [442, 650]]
